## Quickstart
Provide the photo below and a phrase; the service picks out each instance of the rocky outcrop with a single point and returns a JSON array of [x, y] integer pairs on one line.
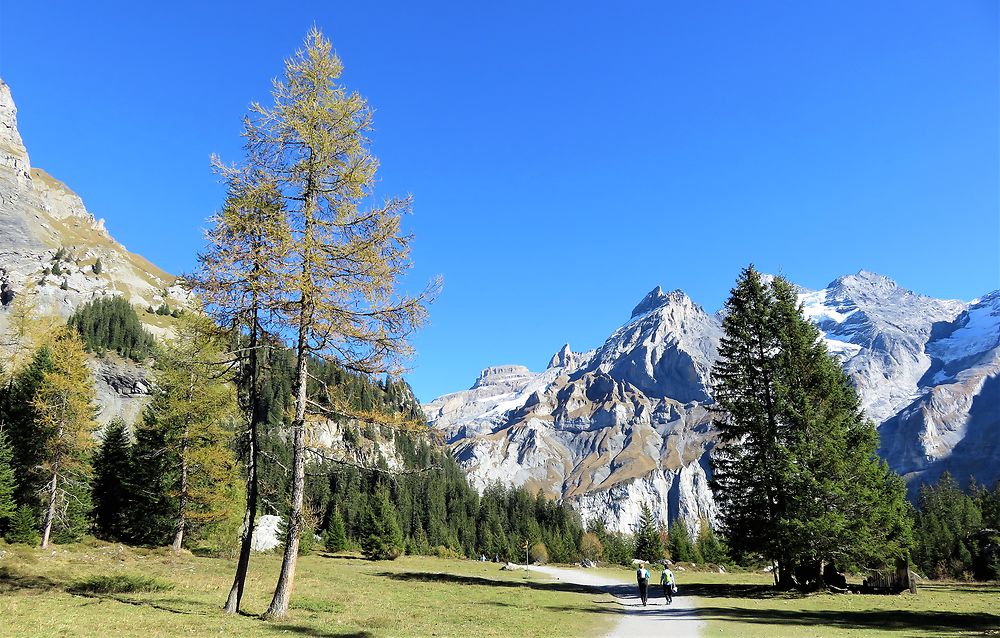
[[629, 422], [49, 245]]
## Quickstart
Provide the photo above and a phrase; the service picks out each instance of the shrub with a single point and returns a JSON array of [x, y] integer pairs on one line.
[[539, 553], [591, 547], [97, 267], [119, 584]]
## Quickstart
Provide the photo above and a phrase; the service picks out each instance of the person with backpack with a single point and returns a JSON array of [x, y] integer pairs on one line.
[[642, 578], [668, 584]]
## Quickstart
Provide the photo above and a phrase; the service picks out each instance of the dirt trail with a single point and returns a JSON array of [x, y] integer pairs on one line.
[[657, 619]]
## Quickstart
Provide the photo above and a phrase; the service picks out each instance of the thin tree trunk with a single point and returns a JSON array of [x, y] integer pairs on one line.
[[283, 590], [249, 516], [50, 513], [246, 540], [182, 514]]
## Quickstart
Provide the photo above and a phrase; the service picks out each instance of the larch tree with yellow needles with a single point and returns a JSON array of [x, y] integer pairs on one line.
[[347, 251]]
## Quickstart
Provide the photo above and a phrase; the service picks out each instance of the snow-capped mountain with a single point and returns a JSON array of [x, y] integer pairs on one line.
[[629, 422]]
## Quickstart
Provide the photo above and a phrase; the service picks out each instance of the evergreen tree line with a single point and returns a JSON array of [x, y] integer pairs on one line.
[[111, 323], [650, 541], [957, 534], [179, 475], [430, 501]]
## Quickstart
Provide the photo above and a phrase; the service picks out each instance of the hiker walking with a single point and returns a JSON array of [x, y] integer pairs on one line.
[[642, 578], [668, 584]]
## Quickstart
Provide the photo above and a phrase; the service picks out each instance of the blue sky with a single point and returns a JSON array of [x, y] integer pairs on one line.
[[564, 157]]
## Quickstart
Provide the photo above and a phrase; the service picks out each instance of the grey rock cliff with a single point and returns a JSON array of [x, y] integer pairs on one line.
[[39, 217]]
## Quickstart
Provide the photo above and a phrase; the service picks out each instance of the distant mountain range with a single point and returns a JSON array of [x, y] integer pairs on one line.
[[628, 423]]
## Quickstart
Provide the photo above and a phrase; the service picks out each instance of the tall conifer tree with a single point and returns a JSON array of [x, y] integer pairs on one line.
[[7, 479], [194, 412], [347, 251], [239, 280], [112, 467], [64, 408], [796, 475]]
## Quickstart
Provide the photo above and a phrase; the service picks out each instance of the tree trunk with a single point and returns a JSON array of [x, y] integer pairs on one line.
[[50, 513], [785, 579], [249, 516], [182, 514], [246, 531], [283, 590]]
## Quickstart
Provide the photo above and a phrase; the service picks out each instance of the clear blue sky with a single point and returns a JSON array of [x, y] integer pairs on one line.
[[565, 157]]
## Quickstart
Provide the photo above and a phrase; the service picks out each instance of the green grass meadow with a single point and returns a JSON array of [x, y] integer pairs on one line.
[[105, 590]]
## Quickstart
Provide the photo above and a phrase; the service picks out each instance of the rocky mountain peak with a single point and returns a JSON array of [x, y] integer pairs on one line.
[[653, 299], [501, 374], [12, 152], [656, 298], [863, 286]]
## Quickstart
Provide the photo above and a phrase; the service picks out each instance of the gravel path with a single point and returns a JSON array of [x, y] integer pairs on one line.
[[657, 619]]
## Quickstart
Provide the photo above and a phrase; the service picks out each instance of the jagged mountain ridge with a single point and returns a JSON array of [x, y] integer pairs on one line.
[[628, 422], [39, 217]]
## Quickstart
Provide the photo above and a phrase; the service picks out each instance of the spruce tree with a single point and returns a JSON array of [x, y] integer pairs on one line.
[[681, 547], [946, 521], [648, 545], [336, 536], [710, 546], [151, 500], [112, 466], [796, 475], [749, 479], [381, 537], [23, 527], [23, 426]]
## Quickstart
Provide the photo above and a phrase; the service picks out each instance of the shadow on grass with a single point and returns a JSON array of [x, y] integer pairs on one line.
[[906, 622], [11, 581], [312, 631], [437, 577]]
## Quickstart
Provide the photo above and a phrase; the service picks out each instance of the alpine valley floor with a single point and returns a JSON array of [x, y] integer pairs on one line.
[[44, 593]]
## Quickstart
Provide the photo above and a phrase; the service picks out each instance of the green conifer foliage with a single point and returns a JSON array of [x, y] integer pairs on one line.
[[648, 545], [112, 465], [946, 523], [23, 430], [23, 527], [336, 536], [381, 537], [681, 547], [796, 472], [7, 481], [111, 323], [710, 546], [151, 503]]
